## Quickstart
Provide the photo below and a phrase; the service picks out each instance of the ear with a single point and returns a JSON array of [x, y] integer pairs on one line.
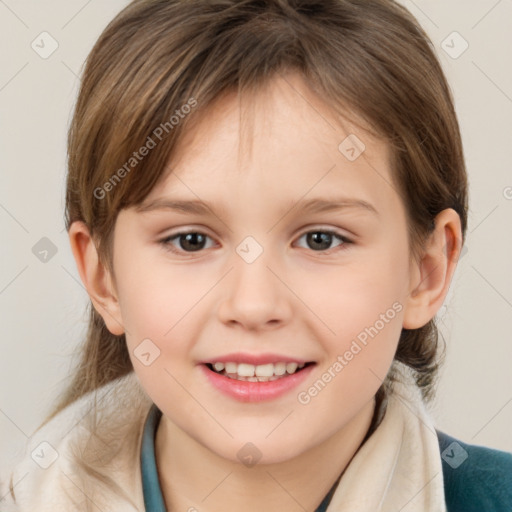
[[431, 276], [95, 277]]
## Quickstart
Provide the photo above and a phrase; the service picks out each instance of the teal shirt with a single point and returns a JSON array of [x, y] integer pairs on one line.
[[153, 499], [476, 479]]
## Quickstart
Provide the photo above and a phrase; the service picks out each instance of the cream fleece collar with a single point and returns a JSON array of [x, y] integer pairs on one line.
[[399, 467]]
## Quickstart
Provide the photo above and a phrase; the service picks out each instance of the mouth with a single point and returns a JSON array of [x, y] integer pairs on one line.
[[261, 378], [246, 372]]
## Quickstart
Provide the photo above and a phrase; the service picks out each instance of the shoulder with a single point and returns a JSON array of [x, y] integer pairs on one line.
[[84, 457], [476, 478]]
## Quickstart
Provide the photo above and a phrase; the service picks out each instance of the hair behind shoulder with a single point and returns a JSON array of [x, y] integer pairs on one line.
[[370, 56]]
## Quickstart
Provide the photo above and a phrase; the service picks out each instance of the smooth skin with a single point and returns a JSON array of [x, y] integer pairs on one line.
[[305, 297]]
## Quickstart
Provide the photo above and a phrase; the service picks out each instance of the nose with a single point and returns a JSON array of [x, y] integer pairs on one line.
[[255, 296]]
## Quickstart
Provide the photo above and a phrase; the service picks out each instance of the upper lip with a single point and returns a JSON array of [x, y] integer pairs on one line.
[[255, 359]]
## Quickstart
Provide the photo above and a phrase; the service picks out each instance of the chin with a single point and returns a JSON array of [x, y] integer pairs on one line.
[[255, 449]]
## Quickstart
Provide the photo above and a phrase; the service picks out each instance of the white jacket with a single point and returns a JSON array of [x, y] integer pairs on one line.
[[398, 468]]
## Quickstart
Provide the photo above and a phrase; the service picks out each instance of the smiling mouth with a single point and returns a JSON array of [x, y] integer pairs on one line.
[[257, 373]]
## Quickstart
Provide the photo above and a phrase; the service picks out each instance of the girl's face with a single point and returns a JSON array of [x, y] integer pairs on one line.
[[297, 253]]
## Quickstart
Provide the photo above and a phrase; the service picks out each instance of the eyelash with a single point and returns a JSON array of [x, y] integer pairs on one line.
[[166, 242]]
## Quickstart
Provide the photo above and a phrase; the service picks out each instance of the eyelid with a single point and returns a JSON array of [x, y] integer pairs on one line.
[[344, 234]]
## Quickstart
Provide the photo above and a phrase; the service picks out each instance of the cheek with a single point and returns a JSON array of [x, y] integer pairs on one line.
[[155, 296], [157, 303], [361, 308], [347, 300], [361, 353]]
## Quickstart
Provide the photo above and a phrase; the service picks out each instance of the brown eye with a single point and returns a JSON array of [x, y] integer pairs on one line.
[[319, 240], [186, 242], [323, 240], [192, 241]]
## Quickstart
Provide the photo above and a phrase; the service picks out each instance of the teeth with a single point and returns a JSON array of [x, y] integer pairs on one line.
[[291, 367], [259, 373], [263, 370], [279, 368], [246, 370], [231, 367]]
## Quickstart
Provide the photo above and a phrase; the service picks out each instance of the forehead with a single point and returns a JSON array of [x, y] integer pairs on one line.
[[283, 137]]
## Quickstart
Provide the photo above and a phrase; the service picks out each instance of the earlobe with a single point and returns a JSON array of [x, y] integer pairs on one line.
[[431, 276], [95, 277]]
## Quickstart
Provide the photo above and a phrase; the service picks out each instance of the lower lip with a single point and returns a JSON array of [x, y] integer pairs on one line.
[[245, 391]]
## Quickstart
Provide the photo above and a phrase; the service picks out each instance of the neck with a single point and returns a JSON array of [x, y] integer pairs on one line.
[[194, 478]]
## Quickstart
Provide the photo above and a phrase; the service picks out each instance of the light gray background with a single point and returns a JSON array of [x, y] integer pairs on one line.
[[42, 304]]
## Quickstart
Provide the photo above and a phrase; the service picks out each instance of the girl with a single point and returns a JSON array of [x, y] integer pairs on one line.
[[266, 201]]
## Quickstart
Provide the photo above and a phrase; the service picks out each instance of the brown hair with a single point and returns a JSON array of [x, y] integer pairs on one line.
[[157, 56]]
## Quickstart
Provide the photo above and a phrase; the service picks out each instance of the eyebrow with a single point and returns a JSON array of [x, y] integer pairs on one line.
[[316, 205]]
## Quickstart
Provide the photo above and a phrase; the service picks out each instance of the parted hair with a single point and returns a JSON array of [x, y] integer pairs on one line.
[[369, 57]]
